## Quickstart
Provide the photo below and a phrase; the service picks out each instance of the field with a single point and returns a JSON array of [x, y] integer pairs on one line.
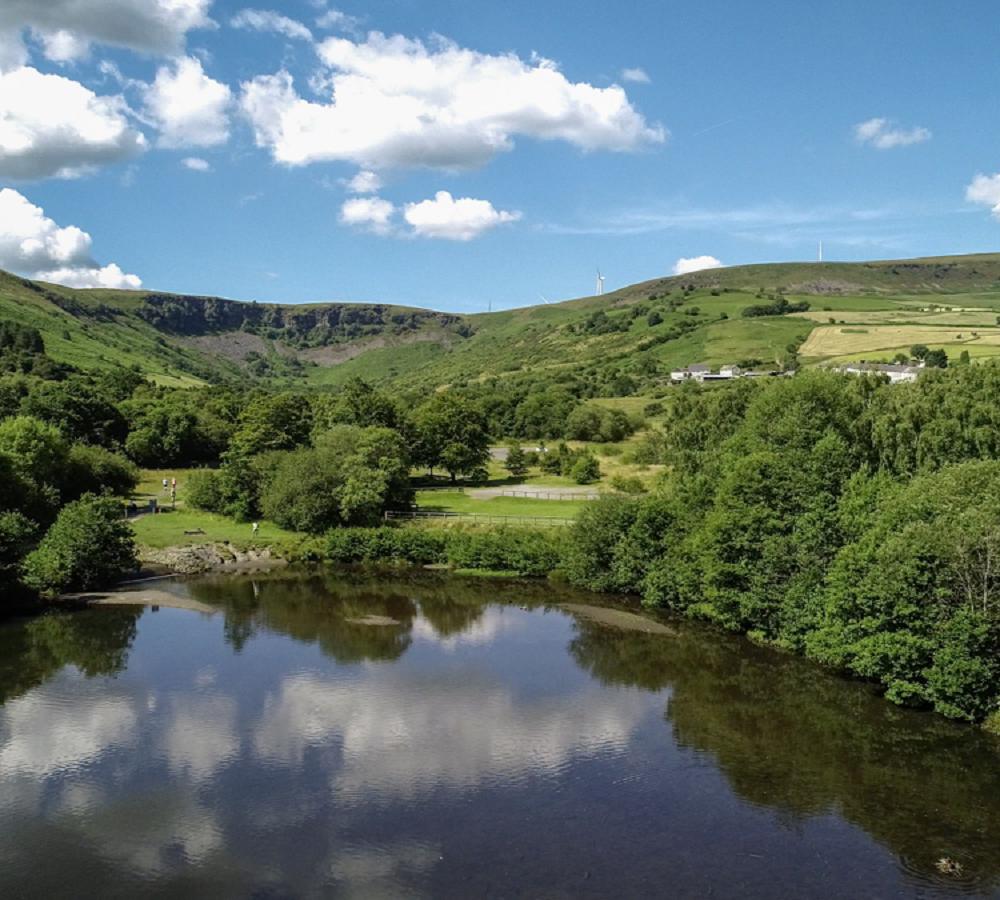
[[834, 341], [642, 330], [180, 528], [466, 502]]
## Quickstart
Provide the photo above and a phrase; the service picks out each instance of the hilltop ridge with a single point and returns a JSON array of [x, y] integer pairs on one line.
[[629, 333]]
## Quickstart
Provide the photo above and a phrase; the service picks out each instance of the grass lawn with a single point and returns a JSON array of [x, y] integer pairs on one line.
[[167, 529], [151, 485], [459, 502]]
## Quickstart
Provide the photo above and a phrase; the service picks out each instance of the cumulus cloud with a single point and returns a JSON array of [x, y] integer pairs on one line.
[[398, 102], [369, 213], [195, 164], [269, 20], [687, 264], [189, 108], [53, 126], [13, 53], [334, 19], [34, 245], [67, 28], [446, 747], [35, 742], [636, 75], [365, 182], [985, 190], [455, 220], [883, 134]]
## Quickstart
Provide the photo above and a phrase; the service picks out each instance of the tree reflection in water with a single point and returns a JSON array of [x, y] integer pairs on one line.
[[95, 641], [786, 735]]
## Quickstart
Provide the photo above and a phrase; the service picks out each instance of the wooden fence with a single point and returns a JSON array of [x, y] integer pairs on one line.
[[391, 515], [550, 495]]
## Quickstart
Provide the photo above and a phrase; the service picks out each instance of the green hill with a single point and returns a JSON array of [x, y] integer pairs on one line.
[[632, 336]]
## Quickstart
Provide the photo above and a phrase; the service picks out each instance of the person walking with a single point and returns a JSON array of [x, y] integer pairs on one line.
[[256, 528]]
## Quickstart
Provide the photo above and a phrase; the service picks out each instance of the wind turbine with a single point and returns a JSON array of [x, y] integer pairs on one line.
[[600, 283], [542, 297]]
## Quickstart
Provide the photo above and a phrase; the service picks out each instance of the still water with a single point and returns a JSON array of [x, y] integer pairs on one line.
[[329, 735]]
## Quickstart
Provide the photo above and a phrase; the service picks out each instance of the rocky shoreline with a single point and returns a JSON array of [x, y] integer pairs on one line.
[[198, 559]]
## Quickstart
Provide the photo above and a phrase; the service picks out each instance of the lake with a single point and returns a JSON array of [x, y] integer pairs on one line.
[[337, 735]]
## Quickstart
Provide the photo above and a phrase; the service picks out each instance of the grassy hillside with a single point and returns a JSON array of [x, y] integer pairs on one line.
[[856, 310]]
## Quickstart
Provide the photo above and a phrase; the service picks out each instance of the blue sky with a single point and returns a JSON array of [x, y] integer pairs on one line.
[[737, 139]]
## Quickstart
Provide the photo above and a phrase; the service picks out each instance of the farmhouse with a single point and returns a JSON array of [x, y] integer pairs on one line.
[[697, 373], [897, 374]]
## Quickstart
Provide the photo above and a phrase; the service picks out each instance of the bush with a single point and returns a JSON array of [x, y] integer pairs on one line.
[[94, 470], [516, 462], [586, 470], [522, 551], [351, 545], [17, 533], [204, 491], [628, 484], [589, 557], [519, 551], [89, 545]]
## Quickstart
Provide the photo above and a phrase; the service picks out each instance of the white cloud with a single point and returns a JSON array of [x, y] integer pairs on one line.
[[417, 741], [53, 126], [985, 190], [398, 102], [66, 28], [13, 53], [109, 276], [455, 220], [188, 107], [269, 20], [195, 164], [883, 134], [63, 46], [37, 742], [688, 264], [365, 182], [636, 75], [370, 213], [34, 245], [201, 737], [334, 19]]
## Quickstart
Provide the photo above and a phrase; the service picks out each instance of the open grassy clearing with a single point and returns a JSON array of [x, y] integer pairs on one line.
[[982, 318], [461, 502], [170, 528], [831, 341]]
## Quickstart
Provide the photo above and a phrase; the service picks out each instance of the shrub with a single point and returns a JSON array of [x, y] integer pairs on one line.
[[589, 556], [628, 484], [89, 545], [516, 462], [94, 470], [17, 533], [586, 470], [417, 546], [204, 491], [522, 551]]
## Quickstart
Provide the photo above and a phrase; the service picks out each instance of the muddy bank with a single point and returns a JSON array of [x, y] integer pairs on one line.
[[139, 596], [216, 557]]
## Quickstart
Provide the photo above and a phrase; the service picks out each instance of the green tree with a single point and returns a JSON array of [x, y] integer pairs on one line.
[[273, 422], [451, 434], [936, 359], [586, 470], [350, 478], [516, 462], [89, 545]]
